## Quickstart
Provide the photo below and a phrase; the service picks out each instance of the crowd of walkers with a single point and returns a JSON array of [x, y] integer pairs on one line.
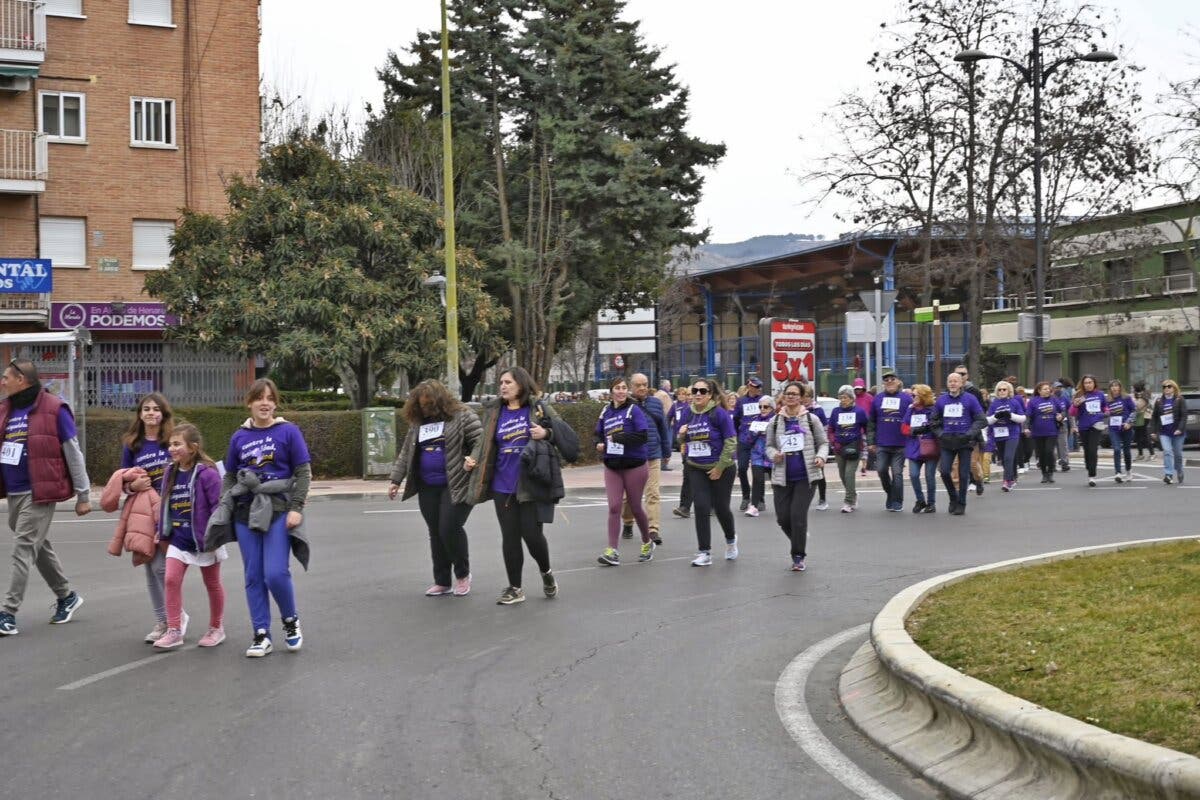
[[180, 508]]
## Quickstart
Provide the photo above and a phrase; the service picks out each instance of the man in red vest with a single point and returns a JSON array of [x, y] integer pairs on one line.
[[41, 465]]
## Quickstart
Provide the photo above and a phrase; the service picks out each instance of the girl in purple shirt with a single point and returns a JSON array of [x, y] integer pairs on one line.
[[1089, 405], [1121, 410], [621, 442], [1045, 417]]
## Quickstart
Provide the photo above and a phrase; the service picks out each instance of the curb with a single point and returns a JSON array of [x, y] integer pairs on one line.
[[972, 740]]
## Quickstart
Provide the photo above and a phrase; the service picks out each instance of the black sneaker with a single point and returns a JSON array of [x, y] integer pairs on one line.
[[979, 488], [656, 538], [958, 510], [680, 511], [292, 636], [513, 594], [953, 506], [261, 646], [919, 506], [549, 585], [745, 504], [8, 624], [65, 608], [626, 531], [929, 509]]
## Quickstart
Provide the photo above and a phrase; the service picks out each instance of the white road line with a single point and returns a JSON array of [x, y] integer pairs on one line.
[[626, 564], [394, 511], [793, 712], [108, 673]]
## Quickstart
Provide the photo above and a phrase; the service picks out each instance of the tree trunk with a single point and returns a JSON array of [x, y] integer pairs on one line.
[[472, 378]]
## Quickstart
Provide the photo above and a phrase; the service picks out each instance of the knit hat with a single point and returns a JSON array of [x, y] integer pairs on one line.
[[859, 383], [846, 390]]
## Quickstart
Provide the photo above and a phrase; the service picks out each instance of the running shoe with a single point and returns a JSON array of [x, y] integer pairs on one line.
[[212, 638], [798, 564], [682, 512], [261, 646], [702, 559], [647, 553], [745, 504], [292, 636], [626, 531], [610, 558], [752, 511], [170, 640], [511, 595], [549, 585], [462, 586], [731, 550], [8, 624], [822, 506], [65, 608], [437, 590], [156, 633]]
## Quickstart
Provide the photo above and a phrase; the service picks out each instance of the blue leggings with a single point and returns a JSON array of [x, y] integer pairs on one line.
[[265, 556]]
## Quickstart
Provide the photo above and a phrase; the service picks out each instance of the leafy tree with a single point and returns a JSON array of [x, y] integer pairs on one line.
[[320, 261]]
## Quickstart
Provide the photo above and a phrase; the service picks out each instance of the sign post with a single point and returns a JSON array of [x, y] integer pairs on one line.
[[933, 314], [788, 349], [879, 303]]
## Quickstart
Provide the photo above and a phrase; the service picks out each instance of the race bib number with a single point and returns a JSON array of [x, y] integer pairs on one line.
[[750, 409], [612, 448], [758, 426], [10, 453], [791, 443], [846, 420], [918, 420], [1001, 432], [699, 449], [430, 431], [1092, 406], [1116, 420], [1167, 419], [953, 411], [890, 404]]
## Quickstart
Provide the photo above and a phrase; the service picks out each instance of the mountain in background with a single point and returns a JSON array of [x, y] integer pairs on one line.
[[714, 256]]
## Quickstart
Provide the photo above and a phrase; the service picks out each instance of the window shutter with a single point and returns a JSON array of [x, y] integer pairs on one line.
[[64, 241], [151, 244], [72, 7], [150, 12]]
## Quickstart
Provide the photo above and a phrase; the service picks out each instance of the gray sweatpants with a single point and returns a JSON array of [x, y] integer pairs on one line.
[[156, 573], [30, 524]]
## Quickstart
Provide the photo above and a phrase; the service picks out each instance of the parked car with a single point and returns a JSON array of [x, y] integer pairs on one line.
[[1192, 399], [827, 404]]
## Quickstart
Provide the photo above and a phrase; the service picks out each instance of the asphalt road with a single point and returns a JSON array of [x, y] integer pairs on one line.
[[648, 679]]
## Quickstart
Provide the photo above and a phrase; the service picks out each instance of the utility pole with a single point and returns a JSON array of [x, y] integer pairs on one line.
[[452, 359]]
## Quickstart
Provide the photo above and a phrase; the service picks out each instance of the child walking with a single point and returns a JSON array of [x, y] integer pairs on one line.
[[191, 489]]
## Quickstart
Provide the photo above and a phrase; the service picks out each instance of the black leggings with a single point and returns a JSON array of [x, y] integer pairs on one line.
[[447, 538], [1091, 449], [519, 522], [1045, 446], [791, 512], [711, 495]]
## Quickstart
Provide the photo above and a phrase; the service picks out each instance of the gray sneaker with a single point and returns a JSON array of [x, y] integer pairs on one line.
[[8, 624], [159, 631], [549, 585], [510, 596]]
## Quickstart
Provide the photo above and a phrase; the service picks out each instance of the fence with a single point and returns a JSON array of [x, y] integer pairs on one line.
[[23, 156], [22, 25]]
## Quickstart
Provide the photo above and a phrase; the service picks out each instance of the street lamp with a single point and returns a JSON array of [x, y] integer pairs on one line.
[[1035, 74], [450, 288], [437, 281]]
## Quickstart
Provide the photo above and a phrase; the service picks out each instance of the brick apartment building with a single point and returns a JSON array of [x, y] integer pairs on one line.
[[114, 115]]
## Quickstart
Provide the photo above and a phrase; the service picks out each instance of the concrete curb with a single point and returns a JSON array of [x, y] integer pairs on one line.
[[974, 741]]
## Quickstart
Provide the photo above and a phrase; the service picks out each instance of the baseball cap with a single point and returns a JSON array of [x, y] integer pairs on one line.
[[754, 381], [888, 373], [859, 383]]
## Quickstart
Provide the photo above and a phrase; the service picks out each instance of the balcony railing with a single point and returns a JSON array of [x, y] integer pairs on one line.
[[23, 29], [23, 155], [24, 306], [1132, 289]]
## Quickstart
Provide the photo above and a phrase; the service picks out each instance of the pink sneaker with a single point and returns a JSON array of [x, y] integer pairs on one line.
[[437, 590], [462, 586], [170, 640], [212, 638], [751, 511]]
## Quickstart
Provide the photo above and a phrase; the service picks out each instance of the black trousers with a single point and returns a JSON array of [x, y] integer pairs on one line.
[[711, 495], [447, 536], [519, 523], [758, 486], [791, 512], [946, 461], [743, 467], [1091, 449], [1045, 446]]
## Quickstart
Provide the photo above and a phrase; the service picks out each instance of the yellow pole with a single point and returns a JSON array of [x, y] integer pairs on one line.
[[452, 360]]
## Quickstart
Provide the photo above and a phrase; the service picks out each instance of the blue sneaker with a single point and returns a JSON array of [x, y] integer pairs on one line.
[[291, 633], [8, 624], [65, 608]]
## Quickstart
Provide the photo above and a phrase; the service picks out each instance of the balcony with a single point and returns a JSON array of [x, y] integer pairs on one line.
[[23, 161], [1133, 289], [22, 32], [25, 307]]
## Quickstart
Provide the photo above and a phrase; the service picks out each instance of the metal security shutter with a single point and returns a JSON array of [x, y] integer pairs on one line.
[[63, 241], [1093, 362], [150, 12], [69, 7], [151, 244]]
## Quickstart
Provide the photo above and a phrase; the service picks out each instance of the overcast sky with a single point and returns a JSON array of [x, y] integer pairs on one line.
[[761, 74]]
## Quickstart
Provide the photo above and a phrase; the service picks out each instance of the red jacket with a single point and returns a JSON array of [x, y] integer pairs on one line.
[[48, 474]]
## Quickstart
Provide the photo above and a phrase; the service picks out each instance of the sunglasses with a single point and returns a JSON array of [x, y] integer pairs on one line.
[[700, 390], [1167, 386], [766, 408]]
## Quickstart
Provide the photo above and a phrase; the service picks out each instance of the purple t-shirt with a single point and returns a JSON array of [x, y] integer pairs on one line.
[[431, 438], [1165, 428], [1042, 416], [1121, 411], [957, 413], [626, 419], [1093, 409], [179, 512], [151, 456], [272, 453], [1001, 430], [887, 412], [706, 435], [797, 470], [849, 424], [512, 434], [14, 463]]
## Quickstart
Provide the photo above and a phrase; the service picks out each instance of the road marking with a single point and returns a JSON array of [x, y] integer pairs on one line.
[[394, 511], [793, 712], [108, 673], [108, 520], [627, 564]]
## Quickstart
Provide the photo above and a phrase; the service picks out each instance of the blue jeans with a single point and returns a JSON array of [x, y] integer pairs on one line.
[[889, 462], [1006, 451], [1122, 445], [1172, 447], [958, 495], [914, 473], [265, 556]]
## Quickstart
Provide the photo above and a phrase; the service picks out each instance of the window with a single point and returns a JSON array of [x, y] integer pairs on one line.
[[150, 12], [1177, 270], [1189, 361], [152, 121], [63, 241], [1119, 274], [63, 118], [64, 8], [151, 243]]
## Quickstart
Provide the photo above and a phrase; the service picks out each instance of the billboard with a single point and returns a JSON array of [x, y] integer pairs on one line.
[[788, 351]]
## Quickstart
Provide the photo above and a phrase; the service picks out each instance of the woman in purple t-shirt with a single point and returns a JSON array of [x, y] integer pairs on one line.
[[1089, 406], [145, 446]]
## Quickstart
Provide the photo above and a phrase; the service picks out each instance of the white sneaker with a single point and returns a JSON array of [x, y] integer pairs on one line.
[[1091, 481], [822, 506], [1022, 470], [702, 559], [183, 621], [752, 511], [159, 631], [1119, 478], [261, 645], [847, 509], [731, 551]]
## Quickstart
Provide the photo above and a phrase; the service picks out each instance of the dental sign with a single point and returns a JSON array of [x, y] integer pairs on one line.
[[103, 317], [788, 349], [25, 276]]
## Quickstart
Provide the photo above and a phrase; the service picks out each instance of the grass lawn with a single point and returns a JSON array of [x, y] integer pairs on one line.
[[1113, 640]]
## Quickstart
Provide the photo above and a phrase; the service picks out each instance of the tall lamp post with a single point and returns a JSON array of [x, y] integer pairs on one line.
[[451, 289], [1035, 74]]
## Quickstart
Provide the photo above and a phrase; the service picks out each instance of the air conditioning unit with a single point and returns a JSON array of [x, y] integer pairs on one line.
[[13, 83]]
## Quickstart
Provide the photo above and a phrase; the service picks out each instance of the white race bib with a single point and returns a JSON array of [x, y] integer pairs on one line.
[[791, 442], [918, 420], [954, 411], [1167, 419], [890, 404], [430, 431], [10, 453], [612, 448], [1091, 406], [1116, 420], [750, 409], [1000, 432], [699, 449], [758, 426], [846, 419]]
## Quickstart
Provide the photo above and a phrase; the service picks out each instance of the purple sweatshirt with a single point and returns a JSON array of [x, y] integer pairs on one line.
[[848, 425], [887, 415], [190, 505]]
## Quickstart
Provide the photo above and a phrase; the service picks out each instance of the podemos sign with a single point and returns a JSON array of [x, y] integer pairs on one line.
[[102, 316], [788, 349]]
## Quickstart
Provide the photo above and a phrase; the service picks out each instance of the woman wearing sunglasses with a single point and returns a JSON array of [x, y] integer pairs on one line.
[[760, 463], [1006, 418], [1169, 420], [709, 443]]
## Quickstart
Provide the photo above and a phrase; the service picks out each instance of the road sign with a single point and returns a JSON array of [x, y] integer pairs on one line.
[[886, 298], [860, 327]]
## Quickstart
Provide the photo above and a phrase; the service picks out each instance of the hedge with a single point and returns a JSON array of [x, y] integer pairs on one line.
[[334, 437]]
